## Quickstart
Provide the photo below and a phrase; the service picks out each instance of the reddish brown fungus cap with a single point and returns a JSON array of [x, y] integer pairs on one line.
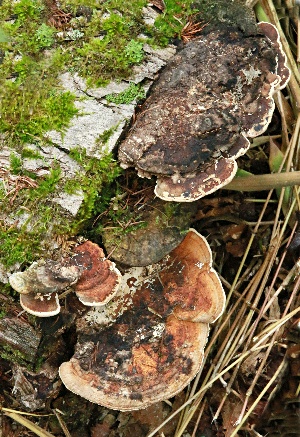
[[155, 348], [40, 305], [212, 95], [192, 286], [100, 279]]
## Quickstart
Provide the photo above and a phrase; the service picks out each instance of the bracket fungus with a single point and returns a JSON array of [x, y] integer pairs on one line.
[[155, 347], [94, 278], [214, 94], [100, 279], [39, 284]]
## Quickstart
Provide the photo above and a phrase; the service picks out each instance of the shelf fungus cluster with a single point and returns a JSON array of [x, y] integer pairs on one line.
[[94, 279], [154, 345], [212, 96]]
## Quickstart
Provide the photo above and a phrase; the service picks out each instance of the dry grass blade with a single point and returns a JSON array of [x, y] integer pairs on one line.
[[264, 182], [251, 409], [27, 423], [62, 423]]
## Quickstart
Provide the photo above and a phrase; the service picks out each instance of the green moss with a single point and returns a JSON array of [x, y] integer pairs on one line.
[[109, 45], [105, 136], [95, 184], [14, 355], [15, 164], [27, 111], [31, 100], [3, 36], [26, 242], [112, 42], [134, 51], [133, 92], [27, 152], [47, 186], [17, 245], [2, 314], [44, 35], [34, 217]]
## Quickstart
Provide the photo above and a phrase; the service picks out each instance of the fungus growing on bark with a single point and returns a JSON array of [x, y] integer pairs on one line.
[[213, 94], [155, 348], [100, 278], [45, 277], [94, 279], [39, 284]]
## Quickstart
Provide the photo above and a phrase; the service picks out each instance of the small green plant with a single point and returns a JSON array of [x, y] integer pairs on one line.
[[47, 185], [133, 92], [134, 52], [27, 10], [3, 36], [28, 110], [28, 152], [17, 245], [44, 36], [95, 183]]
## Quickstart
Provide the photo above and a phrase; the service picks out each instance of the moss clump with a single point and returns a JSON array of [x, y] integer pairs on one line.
[[110, 44], [15, 164], [17, 245], [28, 152], [46, 186], [95, 184], [37, 220], [31, 100], [105, 136], [110, 40]]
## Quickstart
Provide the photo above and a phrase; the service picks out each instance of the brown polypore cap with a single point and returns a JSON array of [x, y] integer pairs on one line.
[[41, 305], [213, 94], [100, 279], [155, 348], [191, 285]]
